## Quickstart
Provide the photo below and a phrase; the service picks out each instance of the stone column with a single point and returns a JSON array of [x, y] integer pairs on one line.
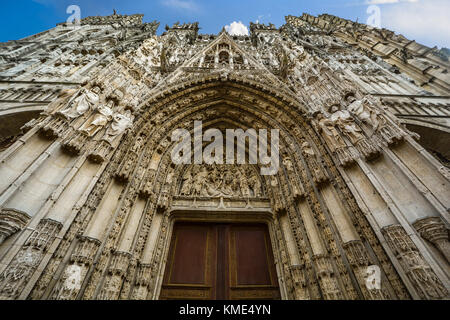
[[145, 267], [322, 263], [25, 262], [122, 257], [86, 249], [423, 278]]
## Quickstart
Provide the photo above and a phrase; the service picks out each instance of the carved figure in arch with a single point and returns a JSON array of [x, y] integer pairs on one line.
[[288, 164], [254, 183], [187, 183], [345, 122], [227, 183], [213, 182], [121, 122], [329, 132], [85, 101], [367, 112], [101, 118], [363, 112], [199, 182], [318, 172]]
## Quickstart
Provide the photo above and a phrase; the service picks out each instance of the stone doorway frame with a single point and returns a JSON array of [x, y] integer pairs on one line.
[[214, 215]]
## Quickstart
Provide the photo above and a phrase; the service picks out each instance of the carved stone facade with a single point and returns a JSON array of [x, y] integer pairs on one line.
[[89, 193]]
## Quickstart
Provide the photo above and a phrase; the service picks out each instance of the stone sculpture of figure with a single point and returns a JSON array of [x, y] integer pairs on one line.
[[307, 149], [390, 131], [100, 119], [199, 181], [288, 164], [344, 120], [149, 50], [85, 101], [121, 122], [228, 178], [187, 184], [362, 110], [319, 174], [213, 182]]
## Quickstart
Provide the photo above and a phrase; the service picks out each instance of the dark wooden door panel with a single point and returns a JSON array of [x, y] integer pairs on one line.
[[252, 263], [220, 261]]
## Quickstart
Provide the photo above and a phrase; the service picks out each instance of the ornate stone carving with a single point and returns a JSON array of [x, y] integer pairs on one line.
[[325, 273], [320, 176], [416, 267], [17, 273], [154, 84], [75, 142], [221, 180], [121, 122], [359, 260], [347, 125], [367, 112], [142, 281], [86, 100], [333, 139], [300, 283], [100, 152], [81, 259], [99, 120], [117, 270], [54, 127], [11, 221]]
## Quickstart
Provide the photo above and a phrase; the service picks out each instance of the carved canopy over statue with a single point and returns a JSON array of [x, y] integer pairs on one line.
[[121, 122], [86, 100]]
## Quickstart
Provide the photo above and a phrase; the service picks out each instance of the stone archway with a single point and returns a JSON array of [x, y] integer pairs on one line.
[[207, 214], [324, 243]]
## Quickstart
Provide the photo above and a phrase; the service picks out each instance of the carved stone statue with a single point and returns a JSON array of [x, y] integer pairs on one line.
[[333, 138], [121, 122], [254, 183], [346, 123]]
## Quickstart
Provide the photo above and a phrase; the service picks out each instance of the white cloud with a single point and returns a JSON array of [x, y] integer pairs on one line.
[[425, 21], [181, 4], [237, 29]]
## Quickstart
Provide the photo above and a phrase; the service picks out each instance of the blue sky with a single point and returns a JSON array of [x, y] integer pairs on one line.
[[426, 21]]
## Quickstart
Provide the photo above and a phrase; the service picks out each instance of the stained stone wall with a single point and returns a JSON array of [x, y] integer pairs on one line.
[[89, 194]]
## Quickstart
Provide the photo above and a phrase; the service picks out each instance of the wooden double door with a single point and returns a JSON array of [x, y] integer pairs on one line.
[[220, 261]]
